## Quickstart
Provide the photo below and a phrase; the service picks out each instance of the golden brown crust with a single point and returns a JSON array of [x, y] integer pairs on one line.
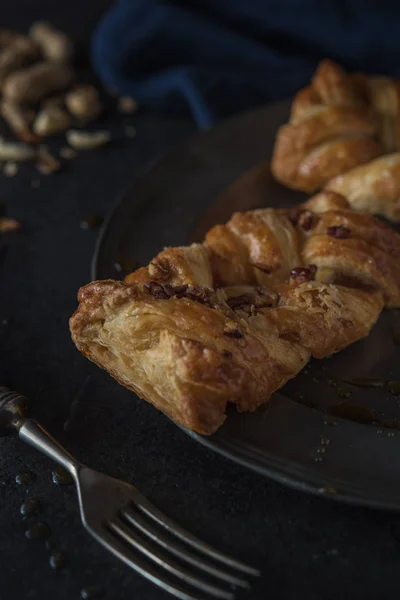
[[339, 125], [384, 95], [190, 359], [372, 188], [334, 86], [255, 247], [332, 158], [295, 141], [189, 349], [324, 318], [261, 247], [186, 358], [184, 264]]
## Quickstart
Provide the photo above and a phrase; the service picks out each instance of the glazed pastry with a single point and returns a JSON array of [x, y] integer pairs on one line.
[[383, 94], [262, 247], [339, 125], [231, 320], [189, 351], [332, 129], [374, 187]]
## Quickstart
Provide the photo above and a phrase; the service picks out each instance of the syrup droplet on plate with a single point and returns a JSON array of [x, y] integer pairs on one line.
[[91, 591], [60, 476], [29, 507], [58, 560], [25, 478], [37, 531], [343, 393]]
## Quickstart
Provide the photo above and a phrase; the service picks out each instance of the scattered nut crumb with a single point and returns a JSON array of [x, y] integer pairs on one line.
[[8, 225], [10, 168], [86, 140], [46, 163], [127, 105], [130, 131], [67, 153], [91, 222], [35, 183]]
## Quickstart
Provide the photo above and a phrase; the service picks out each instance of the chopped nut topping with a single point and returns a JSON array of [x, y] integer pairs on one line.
[[239, 301], [338, 231], [306, 220], [233, 333], [178, 290], [156, 290], [303, 274], [294, 215]]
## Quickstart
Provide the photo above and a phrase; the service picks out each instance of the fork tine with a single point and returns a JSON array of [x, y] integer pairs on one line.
[[119, 549], [153, 513], [128, 535], [178, 550]]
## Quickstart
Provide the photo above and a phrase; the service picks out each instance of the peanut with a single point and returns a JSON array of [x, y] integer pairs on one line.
[[46, 163], [15, 151], [19, 119], [7, 37], [50, 120], [86, 140], [17, 54], [33, 83], [54, 44], [83, 102]]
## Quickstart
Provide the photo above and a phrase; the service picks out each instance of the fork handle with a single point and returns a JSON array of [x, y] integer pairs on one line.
[[13, 411]]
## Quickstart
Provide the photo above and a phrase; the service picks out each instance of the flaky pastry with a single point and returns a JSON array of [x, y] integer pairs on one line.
[[374, 187], [339, 125], [231, 320]]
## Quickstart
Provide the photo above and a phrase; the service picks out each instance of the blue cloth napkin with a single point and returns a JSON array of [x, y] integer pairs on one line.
[[217, 57]]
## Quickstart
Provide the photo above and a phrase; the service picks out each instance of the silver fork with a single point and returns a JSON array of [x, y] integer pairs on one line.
[[126, 523]]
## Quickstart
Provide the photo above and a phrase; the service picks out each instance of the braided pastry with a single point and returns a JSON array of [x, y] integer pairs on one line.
[[332, 129], [231, 320], [374, 187], [339, 126]]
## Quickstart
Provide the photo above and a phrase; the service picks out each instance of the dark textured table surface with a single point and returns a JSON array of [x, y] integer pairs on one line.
[[306, 547]]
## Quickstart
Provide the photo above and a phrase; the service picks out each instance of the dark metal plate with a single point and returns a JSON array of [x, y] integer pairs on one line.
[[321, 433]]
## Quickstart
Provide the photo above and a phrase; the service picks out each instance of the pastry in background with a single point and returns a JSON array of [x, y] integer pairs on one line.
[[340, 125]]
